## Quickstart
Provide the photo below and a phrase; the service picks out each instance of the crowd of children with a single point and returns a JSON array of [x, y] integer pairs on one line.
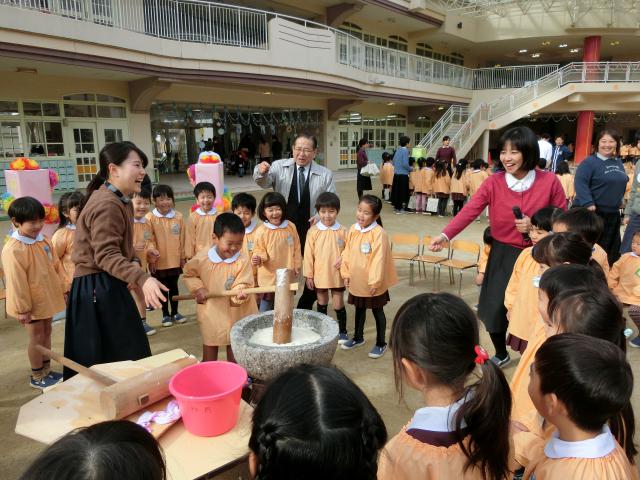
[[564, 308]]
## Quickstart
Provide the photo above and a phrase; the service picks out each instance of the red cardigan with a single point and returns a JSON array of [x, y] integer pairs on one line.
[[546, 191]]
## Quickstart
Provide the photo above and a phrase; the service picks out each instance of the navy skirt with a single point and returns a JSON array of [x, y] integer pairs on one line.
[[103, 324], [491, 309]]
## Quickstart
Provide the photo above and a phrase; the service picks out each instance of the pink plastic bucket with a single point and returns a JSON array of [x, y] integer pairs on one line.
[[209, 396]]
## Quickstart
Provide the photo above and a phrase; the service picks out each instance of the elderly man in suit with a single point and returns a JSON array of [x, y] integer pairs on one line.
[[300, 180]]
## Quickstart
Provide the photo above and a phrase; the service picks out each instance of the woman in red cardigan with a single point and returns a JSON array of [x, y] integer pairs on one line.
[[519, 185]]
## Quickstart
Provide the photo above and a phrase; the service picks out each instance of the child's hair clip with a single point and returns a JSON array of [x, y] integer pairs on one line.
[[481, 355]]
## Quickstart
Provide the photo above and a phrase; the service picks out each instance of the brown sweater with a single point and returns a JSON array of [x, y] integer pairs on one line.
[[104, 239]]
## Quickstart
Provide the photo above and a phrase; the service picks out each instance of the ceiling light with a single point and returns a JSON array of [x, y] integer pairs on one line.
[[440, 107], [523, 50], [26, 70], [563, 45], [391, 104], [574, 50], [267, 93], [535, 55], [544, 44], [497, 65], [615, 43]]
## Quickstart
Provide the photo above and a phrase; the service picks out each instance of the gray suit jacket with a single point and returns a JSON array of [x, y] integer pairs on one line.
[[281, 172]]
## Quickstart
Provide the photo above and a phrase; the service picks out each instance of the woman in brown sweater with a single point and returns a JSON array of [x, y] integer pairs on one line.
[[103, 324]]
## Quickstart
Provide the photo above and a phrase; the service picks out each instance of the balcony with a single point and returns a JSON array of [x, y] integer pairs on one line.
[[209, 23]]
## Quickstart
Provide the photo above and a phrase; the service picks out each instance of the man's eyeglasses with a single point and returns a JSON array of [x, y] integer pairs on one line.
[[306, 151]]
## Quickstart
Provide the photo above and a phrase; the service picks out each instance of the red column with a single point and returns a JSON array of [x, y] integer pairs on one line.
[[584, 130]]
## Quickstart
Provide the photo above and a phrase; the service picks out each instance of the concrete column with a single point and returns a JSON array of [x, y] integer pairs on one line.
[[485, 145], [584, 127]]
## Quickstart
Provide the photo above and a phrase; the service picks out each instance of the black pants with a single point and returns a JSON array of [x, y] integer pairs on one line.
[[457, 206], [171, 282], [610, 240], [103, 324], [400, 191], [442, 206], [381, 325]]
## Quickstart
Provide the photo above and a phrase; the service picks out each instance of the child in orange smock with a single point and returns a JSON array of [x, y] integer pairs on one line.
[[427, 175], [223, 266], [34, 284], [144, 244], [592, 390], [368, 271], [477, 176], [436, 351], [487, 240], [277, 246], [168, 230], [521, 296], [420, 186], [62, 239], [199, 235], [572, 298], [459, 186], [244, 206], [323, 257], [386, 175], [624, 280], [566, 180], [589, 226], [442, 187]]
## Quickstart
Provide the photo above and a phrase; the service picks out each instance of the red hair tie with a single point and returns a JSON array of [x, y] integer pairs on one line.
[[481, 355]]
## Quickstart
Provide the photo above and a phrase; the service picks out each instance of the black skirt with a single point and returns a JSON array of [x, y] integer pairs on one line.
[[378, 301], [491, 309], [362, 182], [103, 324]]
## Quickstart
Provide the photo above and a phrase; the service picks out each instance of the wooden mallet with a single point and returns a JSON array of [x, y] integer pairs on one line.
[[233, 293]]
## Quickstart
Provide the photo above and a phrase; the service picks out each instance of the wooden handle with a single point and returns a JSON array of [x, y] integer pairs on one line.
[[76, 367], [232, 293], [130, 395]]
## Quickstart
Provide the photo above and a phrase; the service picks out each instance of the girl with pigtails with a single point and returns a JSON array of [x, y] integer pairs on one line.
[[462, 432]]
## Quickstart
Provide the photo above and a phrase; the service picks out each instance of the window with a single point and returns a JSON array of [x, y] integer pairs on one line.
[[10, 140], [398, 43], [112, 135], [82, 97], [105, 111], [39, 109], [45, 138], [352, 29], [424, 50], [9, 108], [109, 99], [457, 58]]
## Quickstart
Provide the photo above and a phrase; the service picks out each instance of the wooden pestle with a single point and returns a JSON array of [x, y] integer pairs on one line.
[[231, 293], [283, 308]]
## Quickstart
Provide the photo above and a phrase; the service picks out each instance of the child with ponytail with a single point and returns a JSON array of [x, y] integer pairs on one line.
[[463, 430], [69, 208], [591, 391]]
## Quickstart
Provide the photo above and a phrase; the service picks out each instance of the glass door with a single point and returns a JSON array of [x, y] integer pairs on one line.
[[84, 152]]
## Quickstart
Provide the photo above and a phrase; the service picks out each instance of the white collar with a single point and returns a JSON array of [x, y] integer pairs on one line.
[[322, 227], [284, 224], [366, 229], [215, 258], [70, 226], [27, 240], [251, 227], [171, 214], [202, 213], [634, 254], [521, 185], [140, 220], [597, 447], [603, 158], [437, 419], [476, 171]]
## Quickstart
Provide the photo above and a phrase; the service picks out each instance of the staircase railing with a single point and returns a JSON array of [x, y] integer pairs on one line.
[[455, 114]]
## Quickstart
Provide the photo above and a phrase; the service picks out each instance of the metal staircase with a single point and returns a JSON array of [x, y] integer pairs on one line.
[[465, 128]]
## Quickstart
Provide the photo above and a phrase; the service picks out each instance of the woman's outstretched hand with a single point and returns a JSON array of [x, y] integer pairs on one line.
[[438, 243], [152, 290]]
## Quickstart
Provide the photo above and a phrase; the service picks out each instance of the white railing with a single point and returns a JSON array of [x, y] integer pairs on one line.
[[581, 72], [455, 115], [200, 21], [510, 76]]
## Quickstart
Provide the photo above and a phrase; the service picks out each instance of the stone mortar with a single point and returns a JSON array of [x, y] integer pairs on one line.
[[265, 362]]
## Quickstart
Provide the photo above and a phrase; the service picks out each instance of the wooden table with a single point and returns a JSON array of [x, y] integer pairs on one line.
[[75, 403]]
